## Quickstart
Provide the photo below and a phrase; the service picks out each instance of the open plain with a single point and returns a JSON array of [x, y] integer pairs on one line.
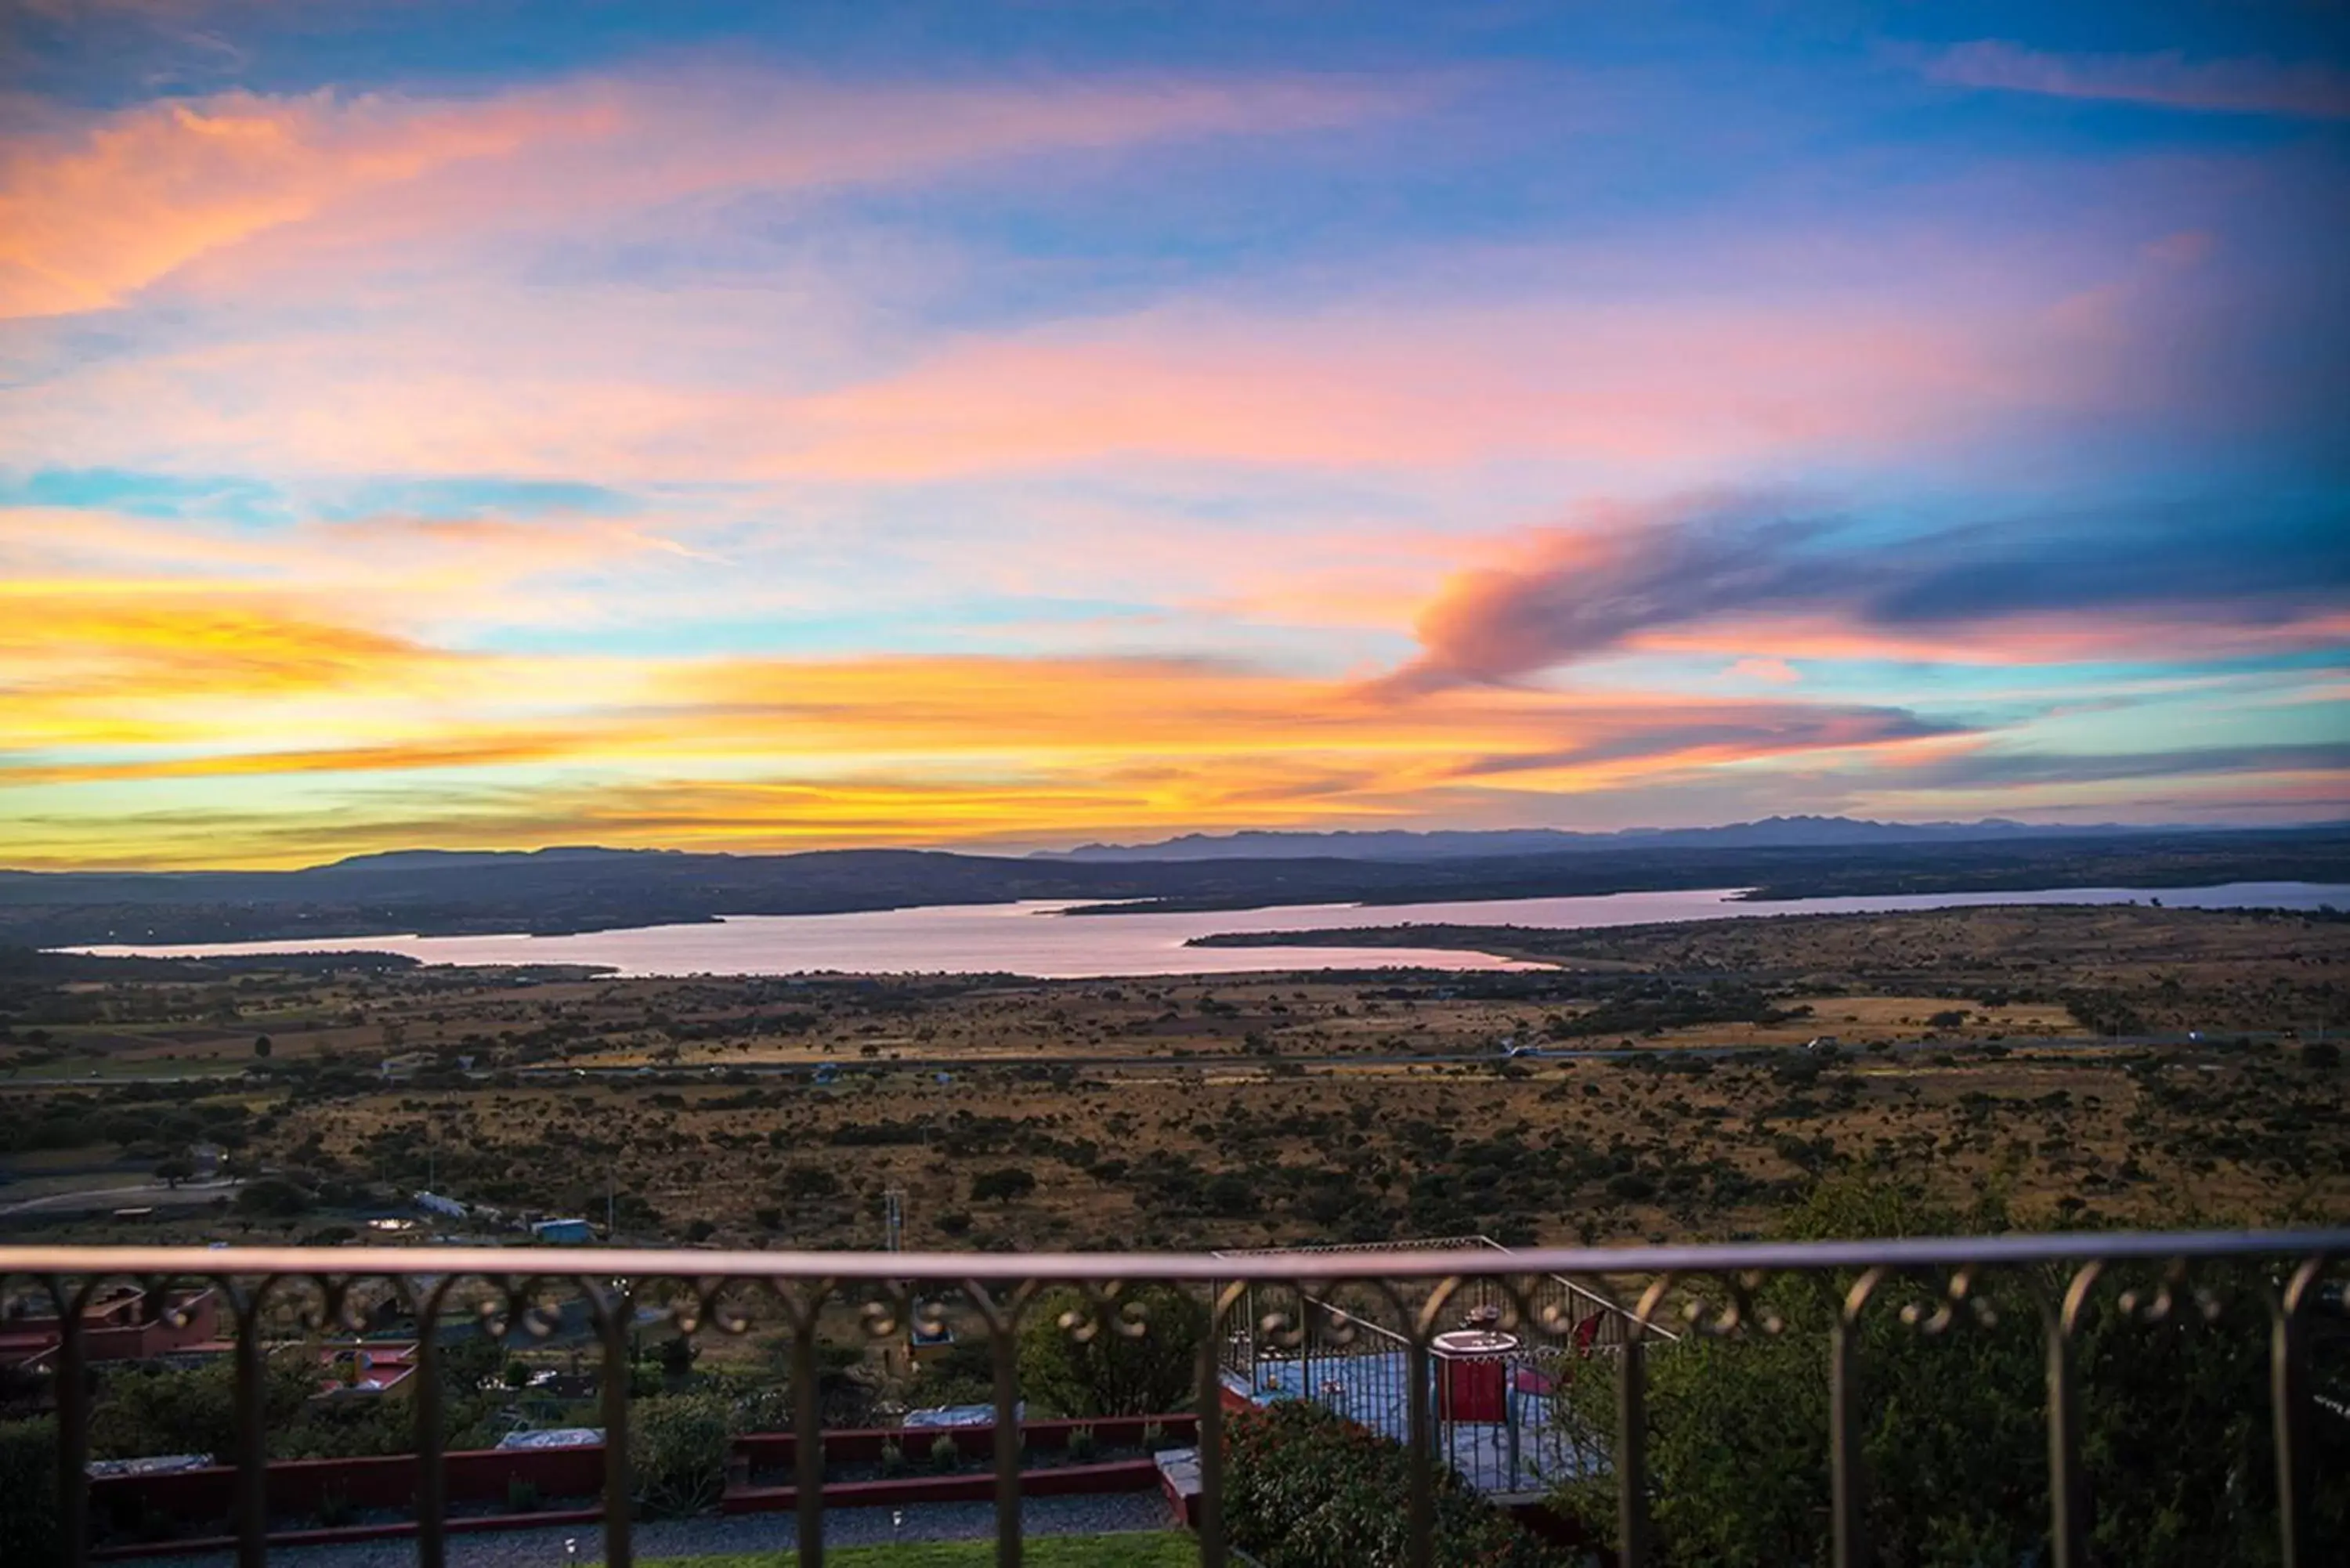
[[2062, 1064]]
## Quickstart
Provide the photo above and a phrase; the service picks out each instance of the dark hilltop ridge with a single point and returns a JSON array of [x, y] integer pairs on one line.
[[1771, 833], [556, 890]]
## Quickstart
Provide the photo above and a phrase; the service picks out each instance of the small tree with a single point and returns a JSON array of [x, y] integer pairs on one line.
[[1108, 1372], [262, 1047], [173, 1171], [678, 1448]]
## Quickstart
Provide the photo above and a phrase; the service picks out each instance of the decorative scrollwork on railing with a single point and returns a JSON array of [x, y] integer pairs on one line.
[[1312, 1332]]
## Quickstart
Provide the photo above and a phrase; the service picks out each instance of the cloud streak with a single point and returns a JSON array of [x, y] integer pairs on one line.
[[92, 216], [2116, 584], [2165, 80]]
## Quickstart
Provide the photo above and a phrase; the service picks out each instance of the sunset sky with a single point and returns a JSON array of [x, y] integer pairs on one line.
[[765, 427]]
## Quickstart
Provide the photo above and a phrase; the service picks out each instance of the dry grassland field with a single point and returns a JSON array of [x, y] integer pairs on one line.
[[2077, 1064]]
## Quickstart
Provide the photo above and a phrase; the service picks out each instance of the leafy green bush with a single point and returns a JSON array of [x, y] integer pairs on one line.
[[1109, 1372], [944, 1454], [153, 1409], [893, 1459], [2175, 1438], [28, 1492], [678, 1448], [1082, 1445], [521, 1496], [1306, 1488]]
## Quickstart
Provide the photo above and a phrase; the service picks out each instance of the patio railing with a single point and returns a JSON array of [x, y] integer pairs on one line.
[[1409, 1298]]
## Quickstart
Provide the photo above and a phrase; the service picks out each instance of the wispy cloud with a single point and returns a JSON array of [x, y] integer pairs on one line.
[[2166, 80], [91, 216]]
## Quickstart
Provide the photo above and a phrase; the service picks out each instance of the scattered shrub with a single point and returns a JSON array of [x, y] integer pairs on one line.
[[893, 1459], [1306, 1488], [1109, 1372], [521, 1496], [1082, 1445], [944, 1454], [1004, 1185], [678, 1448]]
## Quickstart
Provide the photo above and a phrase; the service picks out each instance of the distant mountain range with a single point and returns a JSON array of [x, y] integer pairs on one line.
[[1771, 833], [581, 889]]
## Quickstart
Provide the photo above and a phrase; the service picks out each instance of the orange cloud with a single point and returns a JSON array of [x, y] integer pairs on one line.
[[170, 637], [147, 692], [86, 223]]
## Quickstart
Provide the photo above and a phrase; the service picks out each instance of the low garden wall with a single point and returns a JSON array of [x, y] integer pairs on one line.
[[173, 1507]]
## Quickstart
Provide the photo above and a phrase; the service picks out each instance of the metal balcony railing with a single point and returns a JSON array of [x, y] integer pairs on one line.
[[1278, 1303]]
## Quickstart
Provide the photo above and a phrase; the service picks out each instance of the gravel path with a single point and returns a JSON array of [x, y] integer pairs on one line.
[[739, 1532]]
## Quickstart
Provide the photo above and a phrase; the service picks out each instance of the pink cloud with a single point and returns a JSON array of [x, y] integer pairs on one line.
[[1675, 384], [89, 217], [86, 220], [1679, 380], [2169, 79]]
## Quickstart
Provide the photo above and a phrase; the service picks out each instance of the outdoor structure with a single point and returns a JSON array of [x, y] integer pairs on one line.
[[1263, 1312], [562, 1232], [1485, 1377], [126, 1323], [365, 1367]]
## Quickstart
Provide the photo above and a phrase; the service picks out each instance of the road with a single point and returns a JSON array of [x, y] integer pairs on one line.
[[149, 1195]]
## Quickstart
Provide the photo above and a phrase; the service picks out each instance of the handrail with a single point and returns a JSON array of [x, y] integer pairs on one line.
[[685, 1263], [717, 1291]]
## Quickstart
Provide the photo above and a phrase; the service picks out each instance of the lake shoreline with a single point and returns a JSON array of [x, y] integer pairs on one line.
[[1023, 940]]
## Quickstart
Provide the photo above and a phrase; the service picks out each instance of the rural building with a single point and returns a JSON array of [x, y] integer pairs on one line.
[[124, 1325]]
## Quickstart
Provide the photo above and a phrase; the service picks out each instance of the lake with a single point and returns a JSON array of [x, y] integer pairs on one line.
[[1036, 938]]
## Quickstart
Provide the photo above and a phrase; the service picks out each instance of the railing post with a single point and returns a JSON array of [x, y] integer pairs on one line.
[[2289, 1398], [431, 1481], [2067, 1506], [73, 1424], [1420, 1517], [1632, 1451], [251, 1484], [1843, 1437], [807, 1434], [616, 1314], [1003, 1341], [1844, 1394], [1211, 1522]]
